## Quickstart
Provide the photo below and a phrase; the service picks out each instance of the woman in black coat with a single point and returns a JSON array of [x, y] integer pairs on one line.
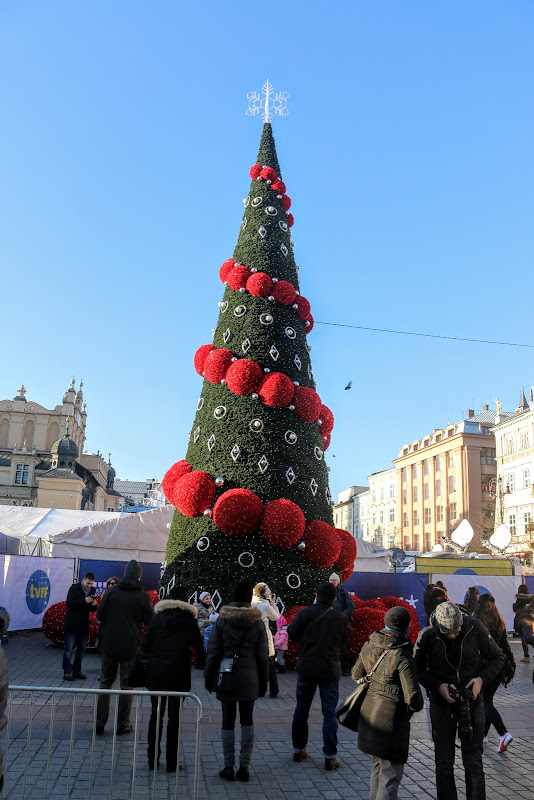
[[393, 696], [239, 633], [172, 632]]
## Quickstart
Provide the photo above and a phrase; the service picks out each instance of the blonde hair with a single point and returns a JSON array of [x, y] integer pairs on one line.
[[259, 589]]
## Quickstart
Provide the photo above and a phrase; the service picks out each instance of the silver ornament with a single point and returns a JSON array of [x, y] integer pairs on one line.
[[219, 481], [253, 269], [291, 407], [271, 298], [266, 369], [279, 196], [301, 546], [207, 512], [255, 395], [223, 381], [296, 383], [234, 358], [241, 289], [294, 306], [274, 280]]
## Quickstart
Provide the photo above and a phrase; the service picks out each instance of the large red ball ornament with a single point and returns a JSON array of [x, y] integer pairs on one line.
[[225, 269], [244, 376], [194, 493], [237, 512], [293, 648], [290, 220], [283, 523], [238, 277], [390, 602], [216, 364], [278, 186], [307, 404], [346, 573], [304, 307], [284, 293], [365, 621], [276, 390], [327, 420], [254, 171], [309, 323], [259, 284], [285, 202], [323, 544], [268, 174], [326, 441], [347, 554], [172, 475], [200, 357]]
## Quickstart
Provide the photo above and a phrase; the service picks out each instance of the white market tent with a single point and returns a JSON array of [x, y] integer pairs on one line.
[[110, 536], [371, 557]]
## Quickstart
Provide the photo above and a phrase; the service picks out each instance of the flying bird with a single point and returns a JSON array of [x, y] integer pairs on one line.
[[349, 384]]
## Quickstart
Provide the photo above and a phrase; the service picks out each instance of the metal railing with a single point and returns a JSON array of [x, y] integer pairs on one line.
[[52, 748]]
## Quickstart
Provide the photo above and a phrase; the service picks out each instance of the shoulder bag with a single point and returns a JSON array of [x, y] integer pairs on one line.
[[348, 714], [226, 667]]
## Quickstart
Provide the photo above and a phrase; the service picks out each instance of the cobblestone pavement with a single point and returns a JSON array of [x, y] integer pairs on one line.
[[35, 662]]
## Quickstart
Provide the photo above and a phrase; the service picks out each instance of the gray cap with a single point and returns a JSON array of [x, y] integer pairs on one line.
[[448, 616]]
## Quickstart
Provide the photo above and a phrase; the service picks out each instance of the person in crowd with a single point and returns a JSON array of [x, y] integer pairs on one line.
[[80, 602], [171, 633], [321, 632], [239, 631], [345, 604], [123, 611], [427, 598], [454, 654], [265, 600], [110, 583], [4, 684], [470, 604], [489, 616], [526, 621], [440, 585], [207, 631], [522, 599], [281, 643], [393, 696], [437, 596], [204, 609]]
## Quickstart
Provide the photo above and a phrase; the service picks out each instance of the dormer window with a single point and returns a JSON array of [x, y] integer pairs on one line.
[[22, 474]]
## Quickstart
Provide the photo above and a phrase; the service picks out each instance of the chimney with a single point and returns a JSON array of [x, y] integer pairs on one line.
[[470, 413], [485, 408]]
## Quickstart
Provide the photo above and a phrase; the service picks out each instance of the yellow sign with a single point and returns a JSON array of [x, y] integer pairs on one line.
[[464, 566]]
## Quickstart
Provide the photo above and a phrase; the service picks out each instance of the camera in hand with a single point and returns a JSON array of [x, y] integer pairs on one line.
[[462, 710]]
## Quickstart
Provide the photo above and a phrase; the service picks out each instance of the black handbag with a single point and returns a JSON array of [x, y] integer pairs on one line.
[[226, 667], [137, 672], [348, 714]]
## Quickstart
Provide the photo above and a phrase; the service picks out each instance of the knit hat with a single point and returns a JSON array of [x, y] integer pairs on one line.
[[241, 593], [133, 569], [334, 577], [203, 595], [326, 593], [448, 616], [397, 619], [179, 593]]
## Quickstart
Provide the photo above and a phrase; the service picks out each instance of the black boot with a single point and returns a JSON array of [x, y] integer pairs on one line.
[[151, 750], [171, 754]]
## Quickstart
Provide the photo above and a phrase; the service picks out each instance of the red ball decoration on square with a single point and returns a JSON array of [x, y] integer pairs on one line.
[[347, 554], [238, 277], [200, 357], [276, 390], [225, 269], [327, 420], [326, 441], [309, 323], [285, 202], [304, 308], [278, 186], [254, 171], [323, 544], [216, 364], [259, 284], [172, 475], [284, 293], [194, 493], [237, 512], [268, 174], [244, 376], [283, 523], [307, 404], [290, 220]]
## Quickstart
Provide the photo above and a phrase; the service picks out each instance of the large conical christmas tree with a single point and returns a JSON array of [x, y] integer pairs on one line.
[[252, 494]]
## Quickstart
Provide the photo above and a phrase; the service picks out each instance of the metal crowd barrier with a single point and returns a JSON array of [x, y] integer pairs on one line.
[[46, 705]]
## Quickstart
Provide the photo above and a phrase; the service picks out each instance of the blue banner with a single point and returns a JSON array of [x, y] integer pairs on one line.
[[410, 587], [103, 570]]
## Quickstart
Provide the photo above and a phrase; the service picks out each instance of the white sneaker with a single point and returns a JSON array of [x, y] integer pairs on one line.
[[504, 741]]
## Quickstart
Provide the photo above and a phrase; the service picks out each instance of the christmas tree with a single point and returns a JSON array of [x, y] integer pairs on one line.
[[252, 493]]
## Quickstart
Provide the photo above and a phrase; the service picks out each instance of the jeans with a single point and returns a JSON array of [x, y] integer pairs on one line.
[[229, 711], [110, 667], [444, 725], [78, 641], [329, 699], [385, 779], [492, 715]]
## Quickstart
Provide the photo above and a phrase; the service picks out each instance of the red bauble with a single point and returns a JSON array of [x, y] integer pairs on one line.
[[238, 277], [278, 186], [238, 512], [276, 390], [323, 544], [303, 309], [307, 404], [365, 621], [283, 523], [216, 364], [172, 475], [259, 284], [200, 357], [226, 267], [347, 554], [376, 604], [390, 602], [326, 441], [268, 174], [309, 321], [285, 202], [327, 420], [194, 493], [358, 603], [254, 171], [346, 573], [284, 293], [293, 648], [244, 376], [290, 220]]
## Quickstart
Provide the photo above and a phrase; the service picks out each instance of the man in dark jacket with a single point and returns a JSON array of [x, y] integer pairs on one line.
[[321, 632], [345, 605], [456, 653], [80, 602], [123, 610]]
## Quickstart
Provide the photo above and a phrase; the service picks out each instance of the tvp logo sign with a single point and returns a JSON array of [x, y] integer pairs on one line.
[[38, 592]]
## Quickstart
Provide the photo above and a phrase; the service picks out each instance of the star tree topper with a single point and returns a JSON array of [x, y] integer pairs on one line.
[[268, 105]]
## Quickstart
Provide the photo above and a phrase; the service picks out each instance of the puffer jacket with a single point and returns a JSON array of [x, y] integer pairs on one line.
[[268, 612], [472, 654], [171, 634], [4, 683], [203, 612], [240, 631], [393, 696]]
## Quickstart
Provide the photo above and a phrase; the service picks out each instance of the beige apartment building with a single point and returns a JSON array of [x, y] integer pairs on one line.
[[446, 477]]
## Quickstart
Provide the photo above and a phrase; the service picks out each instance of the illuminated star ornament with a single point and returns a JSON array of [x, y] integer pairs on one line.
[[267, 103]]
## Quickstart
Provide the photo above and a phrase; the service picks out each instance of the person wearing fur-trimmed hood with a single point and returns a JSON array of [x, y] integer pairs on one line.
[[238, 634], [172, 632]]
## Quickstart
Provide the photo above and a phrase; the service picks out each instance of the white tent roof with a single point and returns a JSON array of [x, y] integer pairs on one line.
[[371, 557]]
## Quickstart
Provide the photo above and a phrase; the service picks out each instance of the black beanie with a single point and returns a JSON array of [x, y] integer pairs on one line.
[[326, 593], [133, 569], [179, 593], [242, 592], [397, 619]]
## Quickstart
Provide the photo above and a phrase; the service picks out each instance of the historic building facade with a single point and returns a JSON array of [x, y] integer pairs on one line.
[[348, 510]]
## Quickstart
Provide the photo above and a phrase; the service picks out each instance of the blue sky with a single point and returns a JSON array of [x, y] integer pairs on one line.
[[124, 157]]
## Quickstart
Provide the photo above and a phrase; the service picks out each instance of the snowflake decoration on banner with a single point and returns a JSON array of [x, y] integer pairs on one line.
[[268, 105]]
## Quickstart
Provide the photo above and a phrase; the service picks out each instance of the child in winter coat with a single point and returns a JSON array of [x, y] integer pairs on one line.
[[280, 641], [206, 636]]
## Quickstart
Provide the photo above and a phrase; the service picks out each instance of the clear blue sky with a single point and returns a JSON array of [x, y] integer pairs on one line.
[[408, 154]]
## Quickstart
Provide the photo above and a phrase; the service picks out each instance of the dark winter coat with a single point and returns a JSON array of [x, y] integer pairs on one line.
[[171, 633], [344, 602], [77, 616], [123, 610], [521, 601], [508, 669], [393, 696], [240, 631], [472, 654], [320, 632]]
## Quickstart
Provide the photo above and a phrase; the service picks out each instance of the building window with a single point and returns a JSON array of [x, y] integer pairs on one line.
[[452, 459], [452, 484], [406, 542], [381, 516], [428, 516], [22, 474], [438, 463], [405, 451], [487, 456], [392, 515], [526, 479], [414, 471], [405, 520], [404, 496], [450, 432], [428, 543], [526, 519], [373, 518], [405, 473], [438, 437], [416, 447], [416, 518], [438, 487], [452, 512], [510, 481], [392, 490], [415, 494], [439, 513], [511, 524], [427, 492], [425, 466], [416, 542], [374, 495], [381, 492], [426, 442]]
